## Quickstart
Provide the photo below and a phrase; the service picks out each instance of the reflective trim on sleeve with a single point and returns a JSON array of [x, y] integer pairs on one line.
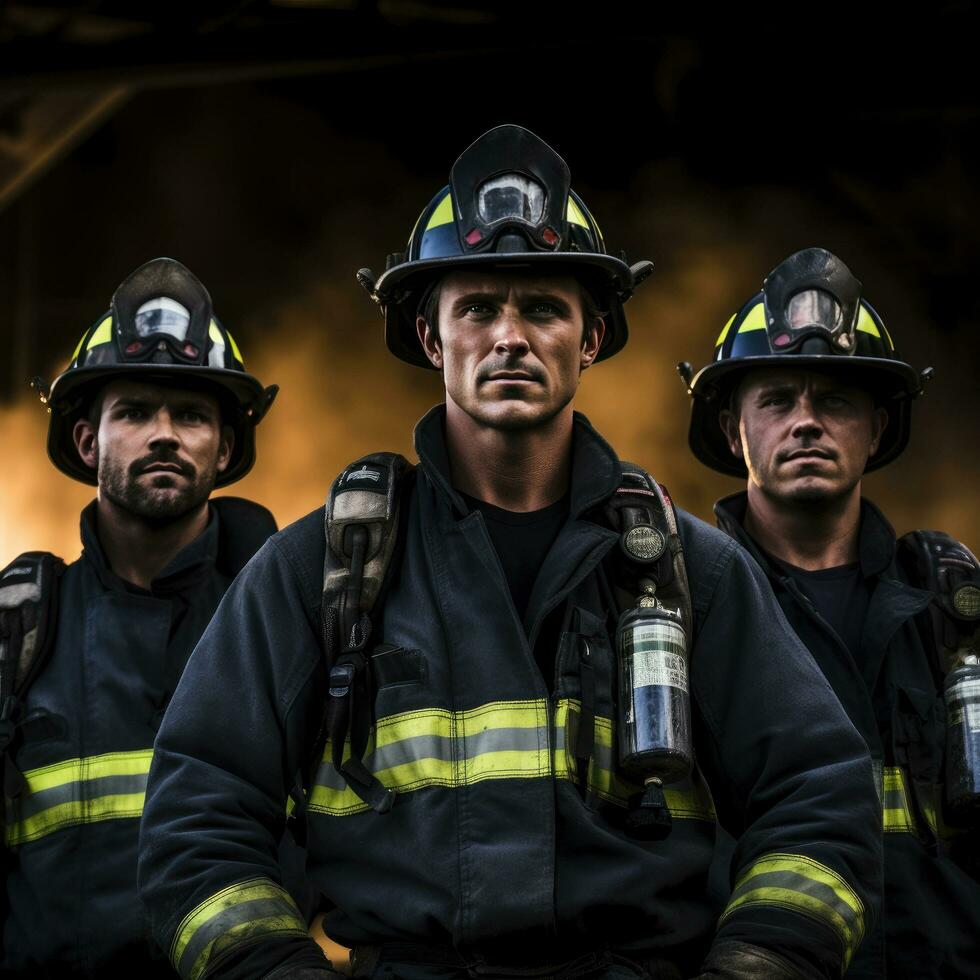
[[800, 884], [436, 747], [896, 811], [78, 791], [237, 915]]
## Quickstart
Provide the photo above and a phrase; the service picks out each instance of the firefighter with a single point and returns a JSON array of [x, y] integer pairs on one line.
[[474, 640], [155, 410], [805, 394]]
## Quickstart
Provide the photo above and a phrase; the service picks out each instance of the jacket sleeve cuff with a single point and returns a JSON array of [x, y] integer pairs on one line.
[[213, 937], [779, 899]]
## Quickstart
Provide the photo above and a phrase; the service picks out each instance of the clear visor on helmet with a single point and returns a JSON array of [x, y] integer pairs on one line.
[[814, 308], [163, 315], [812, 312], [511, 196]]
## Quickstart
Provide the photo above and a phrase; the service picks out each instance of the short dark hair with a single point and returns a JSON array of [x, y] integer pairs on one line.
[[429, 307]]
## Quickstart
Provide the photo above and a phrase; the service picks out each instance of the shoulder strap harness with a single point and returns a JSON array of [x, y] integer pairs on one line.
[[650, 545], [28, 609], [361, 525]]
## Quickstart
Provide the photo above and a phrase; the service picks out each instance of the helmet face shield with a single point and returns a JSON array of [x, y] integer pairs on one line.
[[812, 303], [510, 180], [812, 313], [159, 324], [511, 196]]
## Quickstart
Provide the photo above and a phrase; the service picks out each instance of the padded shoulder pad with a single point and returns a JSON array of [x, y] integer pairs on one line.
[[642, 508], [366, 494], [945, 567], [245, 527], [28, 613]]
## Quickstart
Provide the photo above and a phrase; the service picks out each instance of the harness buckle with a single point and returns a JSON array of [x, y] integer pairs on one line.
[[341, 680]]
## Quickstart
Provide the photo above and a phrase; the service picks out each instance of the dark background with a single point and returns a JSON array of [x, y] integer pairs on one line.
[[275, 147]]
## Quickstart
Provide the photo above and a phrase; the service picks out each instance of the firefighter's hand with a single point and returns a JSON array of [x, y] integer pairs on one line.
[[741, 961]]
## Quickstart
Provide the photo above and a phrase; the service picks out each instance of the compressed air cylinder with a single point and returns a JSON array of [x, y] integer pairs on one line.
[[655, 708], [962, 695]]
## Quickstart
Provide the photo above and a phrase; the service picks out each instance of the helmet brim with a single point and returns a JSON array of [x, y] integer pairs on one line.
[[399, 289], [895, 383], [71, 392]]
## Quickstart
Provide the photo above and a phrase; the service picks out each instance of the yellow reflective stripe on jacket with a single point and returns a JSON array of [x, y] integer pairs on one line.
[[687, 800], [896, 810], [437, 747], [77, 791], [500, 740], [237, 914], [798, 883]]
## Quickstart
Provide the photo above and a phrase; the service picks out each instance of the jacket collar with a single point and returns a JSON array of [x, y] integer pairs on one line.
[[595, 466], [876, 538], [188, 566]]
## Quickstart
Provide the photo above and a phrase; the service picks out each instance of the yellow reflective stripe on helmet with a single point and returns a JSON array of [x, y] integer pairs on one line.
[[866, 325], [724, 330], [78, 348], [574, 214], [801, 884], [443, 213], [215, 335], [102, 334], [687, 800], [237, 914], [896, 812], [755, 319], [78, 791], [437, 747]]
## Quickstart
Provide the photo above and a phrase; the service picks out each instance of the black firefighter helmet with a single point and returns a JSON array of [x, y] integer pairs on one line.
[[508, 205], [810, 314], [159, 329]]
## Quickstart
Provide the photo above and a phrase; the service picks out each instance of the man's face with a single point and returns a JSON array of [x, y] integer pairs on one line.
[[157, 450], [511, 348], [805, 436]]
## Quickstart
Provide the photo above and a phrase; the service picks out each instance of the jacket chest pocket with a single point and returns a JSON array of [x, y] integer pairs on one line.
[[398, 677]]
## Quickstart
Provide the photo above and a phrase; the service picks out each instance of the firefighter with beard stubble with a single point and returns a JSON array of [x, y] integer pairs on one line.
[[805, 394], [482, 664], [156, 410]]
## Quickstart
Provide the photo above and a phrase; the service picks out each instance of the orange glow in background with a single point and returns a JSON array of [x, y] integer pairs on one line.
[[343, 395]]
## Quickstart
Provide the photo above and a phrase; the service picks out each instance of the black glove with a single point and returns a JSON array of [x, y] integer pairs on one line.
[[740, 961]]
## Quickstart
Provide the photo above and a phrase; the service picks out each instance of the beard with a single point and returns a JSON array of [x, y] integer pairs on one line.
[[161, 498]]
